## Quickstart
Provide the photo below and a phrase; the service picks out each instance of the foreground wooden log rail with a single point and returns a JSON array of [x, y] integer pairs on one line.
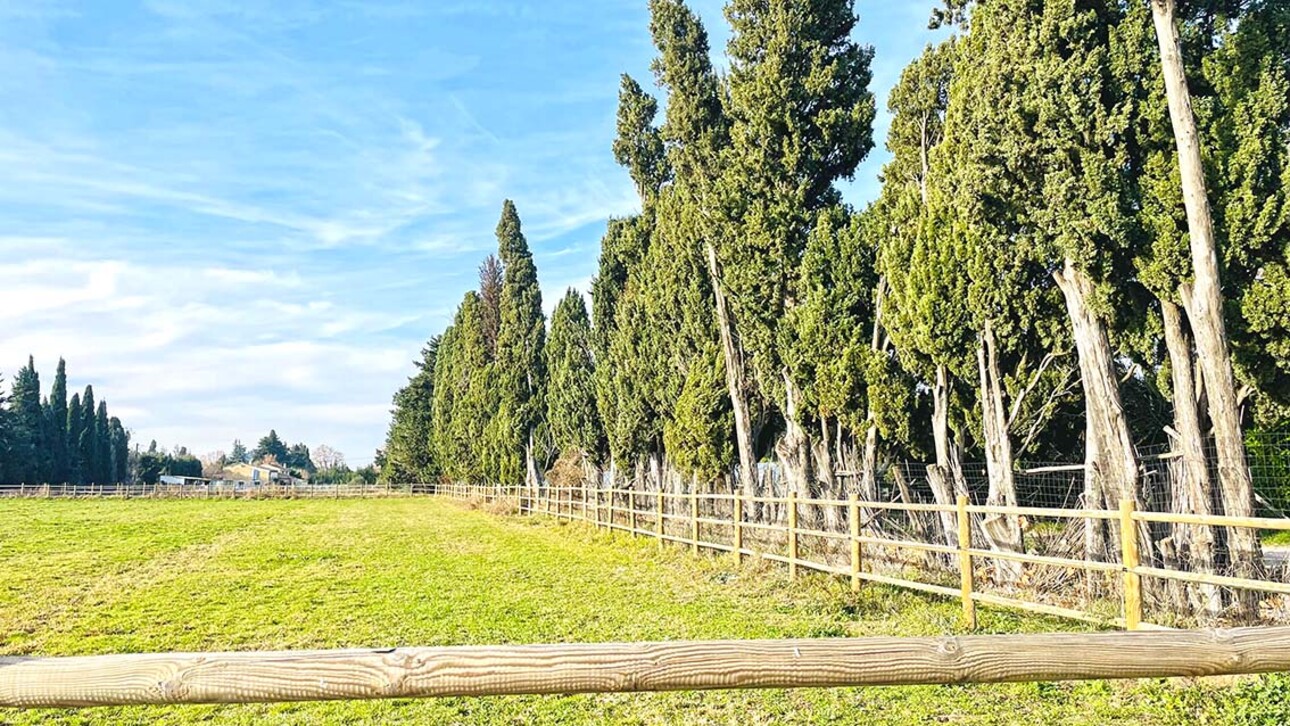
[[192, 678]]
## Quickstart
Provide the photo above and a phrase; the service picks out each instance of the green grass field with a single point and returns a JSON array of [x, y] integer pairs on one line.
[[90, 577]]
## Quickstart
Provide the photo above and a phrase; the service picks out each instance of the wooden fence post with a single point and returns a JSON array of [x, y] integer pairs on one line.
[[585, 516], [965, 563], [694, 521], [792, 535], [659, 524], [739, 526], [610, 493], [1132, 580], [631, 505], [853, 518]]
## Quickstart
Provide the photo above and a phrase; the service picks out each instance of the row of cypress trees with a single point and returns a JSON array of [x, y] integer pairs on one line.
[[1030, 281], [55, 440]]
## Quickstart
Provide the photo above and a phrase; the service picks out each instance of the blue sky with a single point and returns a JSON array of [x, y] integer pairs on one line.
[[230, 216]]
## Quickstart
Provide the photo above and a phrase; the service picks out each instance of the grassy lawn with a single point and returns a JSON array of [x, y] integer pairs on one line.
[[90, 577]]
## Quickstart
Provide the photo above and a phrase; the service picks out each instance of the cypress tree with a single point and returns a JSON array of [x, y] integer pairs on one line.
[[923, 298], [519, 372], [571, 400], [102, 429], [691, 226], [75, 427], [120, 446], [800, 118], [463, 414], [88, 442], [409, 453], [29, 446], [625, 345], [56, 421]]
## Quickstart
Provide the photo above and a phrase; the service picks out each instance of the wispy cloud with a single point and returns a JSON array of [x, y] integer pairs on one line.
[[234, 215]]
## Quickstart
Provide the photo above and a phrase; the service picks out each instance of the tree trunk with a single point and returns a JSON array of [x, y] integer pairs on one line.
[[824, 469], [1096, 531], [869, 455], [736, 383], [793, 448], [531, 478], [1002, 531], [1193, 491], [1116, 463], [945, 477], [1205, 301]]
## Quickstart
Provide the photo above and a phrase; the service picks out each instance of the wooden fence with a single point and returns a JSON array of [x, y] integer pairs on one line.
[[721, 523], [208, 491], [191, 678]]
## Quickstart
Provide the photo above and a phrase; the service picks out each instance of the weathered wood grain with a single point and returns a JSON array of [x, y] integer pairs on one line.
[[633, 667]]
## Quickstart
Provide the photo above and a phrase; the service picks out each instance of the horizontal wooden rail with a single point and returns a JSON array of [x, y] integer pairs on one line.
[[1044, 512], [191, 678], [1213, 520]]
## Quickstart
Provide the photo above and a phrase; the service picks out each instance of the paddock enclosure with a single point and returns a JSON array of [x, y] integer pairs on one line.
[[428, 575]]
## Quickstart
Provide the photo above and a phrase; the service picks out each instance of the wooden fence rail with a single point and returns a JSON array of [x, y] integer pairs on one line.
[[192, 678], [208, 491], [676, 517]]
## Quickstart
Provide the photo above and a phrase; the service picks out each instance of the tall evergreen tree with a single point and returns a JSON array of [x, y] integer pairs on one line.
[[75, 428], [801, 118], [690, 221], [626, 351], [519, 370], [29, 446], [462, 409], [89, 440], [120, 445], [1204, 299], [571, 399], [922, 300], [56, 422], [270, 445], [409, 453], [103, 430], [239, 454]]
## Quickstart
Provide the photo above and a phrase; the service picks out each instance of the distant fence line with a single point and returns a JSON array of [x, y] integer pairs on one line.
[[1107, 591], [209, 491]]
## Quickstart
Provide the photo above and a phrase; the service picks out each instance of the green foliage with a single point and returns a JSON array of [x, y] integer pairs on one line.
[[519, 372], [271, 445], [800, 118], [409, 454], [56, 425], [28, 444], [238, 454], [571, 397], [55, 441], [831, 326], [464, 397], [639, 146], [298, 460], [697, 436]]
